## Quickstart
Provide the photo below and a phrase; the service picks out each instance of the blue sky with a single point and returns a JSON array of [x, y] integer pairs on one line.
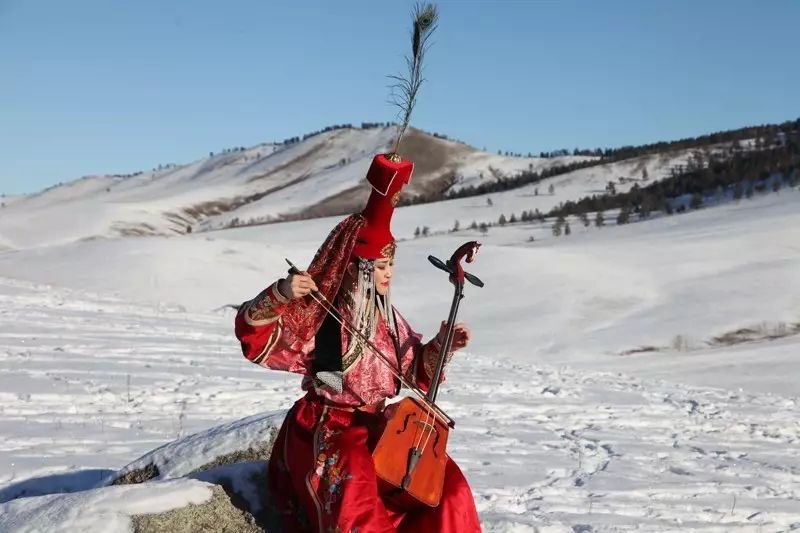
[[112, 86]]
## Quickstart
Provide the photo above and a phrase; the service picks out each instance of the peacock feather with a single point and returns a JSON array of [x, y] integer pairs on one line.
[[405, 88]]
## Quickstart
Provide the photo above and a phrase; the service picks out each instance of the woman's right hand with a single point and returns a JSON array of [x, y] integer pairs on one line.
[[297, 285]]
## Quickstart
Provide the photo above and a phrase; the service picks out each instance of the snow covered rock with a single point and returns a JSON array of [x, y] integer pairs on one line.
[[248, 439], [233, 457], [211, 481]]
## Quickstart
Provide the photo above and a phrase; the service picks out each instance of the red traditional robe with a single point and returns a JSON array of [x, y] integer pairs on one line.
[[321, 473]]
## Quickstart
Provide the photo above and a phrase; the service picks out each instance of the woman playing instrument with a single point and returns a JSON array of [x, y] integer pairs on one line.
[[317, 323]]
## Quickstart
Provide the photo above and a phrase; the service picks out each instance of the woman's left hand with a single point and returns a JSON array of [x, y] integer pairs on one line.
[[461, 335]]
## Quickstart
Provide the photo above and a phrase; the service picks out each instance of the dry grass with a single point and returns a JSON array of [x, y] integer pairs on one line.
[[258, 452], [140, 475], [141, 229], [766, 331], [297, 161], [641, 349], [763, 331], [218, 515]]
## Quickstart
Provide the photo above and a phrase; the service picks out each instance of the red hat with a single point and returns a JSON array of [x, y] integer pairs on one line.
[[365, 235], [388, 174]]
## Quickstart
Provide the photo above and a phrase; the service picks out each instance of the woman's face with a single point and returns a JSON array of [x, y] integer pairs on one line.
[[383, 274]]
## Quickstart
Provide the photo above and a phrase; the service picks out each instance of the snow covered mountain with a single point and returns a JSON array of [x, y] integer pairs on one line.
[[321, 175], [317, 176]]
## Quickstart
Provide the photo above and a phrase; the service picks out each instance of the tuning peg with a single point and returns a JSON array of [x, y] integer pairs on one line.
[[438, 263], [473, 279]]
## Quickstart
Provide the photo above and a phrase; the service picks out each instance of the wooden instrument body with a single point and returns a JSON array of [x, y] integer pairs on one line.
[[412, 427]]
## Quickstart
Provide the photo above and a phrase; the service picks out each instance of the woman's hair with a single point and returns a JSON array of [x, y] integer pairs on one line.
[[359, 295]]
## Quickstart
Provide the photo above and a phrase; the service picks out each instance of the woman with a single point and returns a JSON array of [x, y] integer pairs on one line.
[[321, 473]]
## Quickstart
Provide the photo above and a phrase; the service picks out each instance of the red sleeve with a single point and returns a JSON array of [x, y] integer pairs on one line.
[[258, 323], [425, 363]]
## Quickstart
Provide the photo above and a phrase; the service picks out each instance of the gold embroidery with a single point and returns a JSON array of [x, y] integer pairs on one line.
[[395, 198], [430, 356], [389, 250], [261, 309], [394, 157]]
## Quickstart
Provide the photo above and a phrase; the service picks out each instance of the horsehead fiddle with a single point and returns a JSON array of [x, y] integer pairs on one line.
[[410, 456]]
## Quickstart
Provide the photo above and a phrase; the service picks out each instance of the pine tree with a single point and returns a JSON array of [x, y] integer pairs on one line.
[[502, 220], [584, 219], [489, 202], [599, 221], [425, 231], [559, 225], [456, 226], [624, 216], [512, 219], [567, 231], [551, 189], [474, 225], [417, 232]]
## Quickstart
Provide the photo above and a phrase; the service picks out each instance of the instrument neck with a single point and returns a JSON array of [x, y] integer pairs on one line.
[[446, 342]]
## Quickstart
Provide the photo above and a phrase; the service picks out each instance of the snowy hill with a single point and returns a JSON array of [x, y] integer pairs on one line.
[[319, 176], [316, 176]]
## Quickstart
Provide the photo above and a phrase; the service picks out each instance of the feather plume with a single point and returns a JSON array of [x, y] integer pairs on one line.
[[405, 88]]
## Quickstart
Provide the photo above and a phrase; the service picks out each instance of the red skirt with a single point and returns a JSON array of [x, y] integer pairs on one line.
[[322, 478]]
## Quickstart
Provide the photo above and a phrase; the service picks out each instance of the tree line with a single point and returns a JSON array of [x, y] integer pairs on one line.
[[763, 136], [741, 174]]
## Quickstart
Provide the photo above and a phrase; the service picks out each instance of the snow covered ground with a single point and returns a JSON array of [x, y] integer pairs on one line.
[[592, 397]]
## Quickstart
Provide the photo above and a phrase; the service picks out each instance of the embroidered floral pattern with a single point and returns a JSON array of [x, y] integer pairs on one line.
[[329, 470]]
